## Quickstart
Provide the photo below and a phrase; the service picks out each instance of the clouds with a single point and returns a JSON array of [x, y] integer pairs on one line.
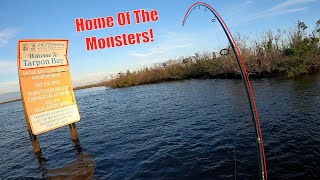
[[248, 2], [7, 87], [6, 34], [7, 66], [8, 69], [285, 5], [170, 41], [88, 78], [282, 8], [9, 91], [159, 50]]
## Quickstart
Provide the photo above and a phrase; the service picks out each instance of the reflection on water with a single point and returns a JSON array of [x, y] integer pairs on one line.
[[81, 168]]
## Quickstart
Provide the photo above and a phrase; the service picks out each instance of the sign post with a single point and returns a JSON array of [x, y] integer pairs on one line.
[[46, 88]]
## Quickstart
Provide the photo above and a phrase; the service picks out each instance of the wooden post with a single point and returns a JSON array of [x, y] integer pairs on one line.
[[34, 139], [74, 133], [35, 143], [75, 137]]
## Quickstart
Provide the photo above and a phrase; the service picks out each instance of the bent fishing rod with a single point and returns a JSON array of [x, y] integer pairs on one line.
[[246, 81]]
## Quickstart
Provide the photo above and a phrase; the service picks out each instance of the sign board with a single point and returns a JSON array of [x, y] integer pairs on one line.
[[45, 84]]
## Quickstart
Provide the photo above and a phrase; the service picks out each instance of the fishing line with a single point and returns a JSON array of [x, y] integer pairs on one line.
[[234, 159]]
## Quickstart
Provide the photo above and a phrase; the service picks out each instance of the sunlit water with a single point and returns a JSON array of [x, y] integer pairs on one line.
[[194, 129]]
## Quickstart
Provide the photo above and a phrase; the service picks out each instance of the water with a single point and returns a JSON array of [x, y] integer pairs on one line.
[[194, 129]]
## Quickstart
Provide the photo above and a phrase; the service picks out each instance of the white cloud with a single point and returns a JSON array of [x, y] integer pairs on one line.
[[285, 7], [275, 13], [11, 86], [89, 78], [170, 41], [159, 50], [7, 66], [286, 4], [248, 2], [7, 34], [8, 69]]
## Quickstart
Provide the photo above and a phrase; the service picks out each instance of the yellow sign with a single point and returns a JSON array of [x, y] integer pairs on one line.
[[45, 84]]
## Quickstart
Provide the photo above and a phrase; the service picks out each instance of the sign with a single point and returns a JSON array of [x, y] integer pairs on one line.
[[45, 84]]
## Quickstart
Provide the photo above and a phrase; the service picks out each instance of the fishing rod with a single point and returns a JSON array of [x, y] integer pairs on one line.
[[245, 78]]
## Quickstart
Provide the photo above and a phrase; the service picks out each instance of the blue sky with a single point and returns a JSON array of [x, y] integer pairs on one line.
[[56, 19]]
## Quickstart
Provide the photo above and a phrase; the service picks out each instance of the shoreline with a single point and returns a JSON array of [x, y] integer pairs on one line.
[[15, 100], [220, 76]]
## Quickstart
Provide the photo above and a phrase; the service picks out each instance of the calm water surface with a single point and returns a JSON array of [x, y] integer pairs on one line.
[[194, 129]]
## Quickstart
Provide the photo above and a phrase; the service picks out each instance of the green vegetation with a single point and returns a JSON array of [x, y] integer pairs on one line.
[[88, 86], [285, 54]]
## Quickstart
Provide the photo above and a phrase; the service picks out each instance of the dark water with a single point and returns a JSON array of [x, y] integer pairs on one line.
[[195, 129]]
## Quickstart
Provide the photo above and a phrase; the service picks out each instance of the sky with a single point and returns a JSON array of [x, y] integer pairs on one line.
[[37, 19]]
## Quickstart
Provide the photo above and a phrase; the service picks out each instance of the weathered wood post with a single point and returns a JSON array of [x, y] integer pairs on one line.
[[35, 142], [74, 133], [75, 137], [34, 139]]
